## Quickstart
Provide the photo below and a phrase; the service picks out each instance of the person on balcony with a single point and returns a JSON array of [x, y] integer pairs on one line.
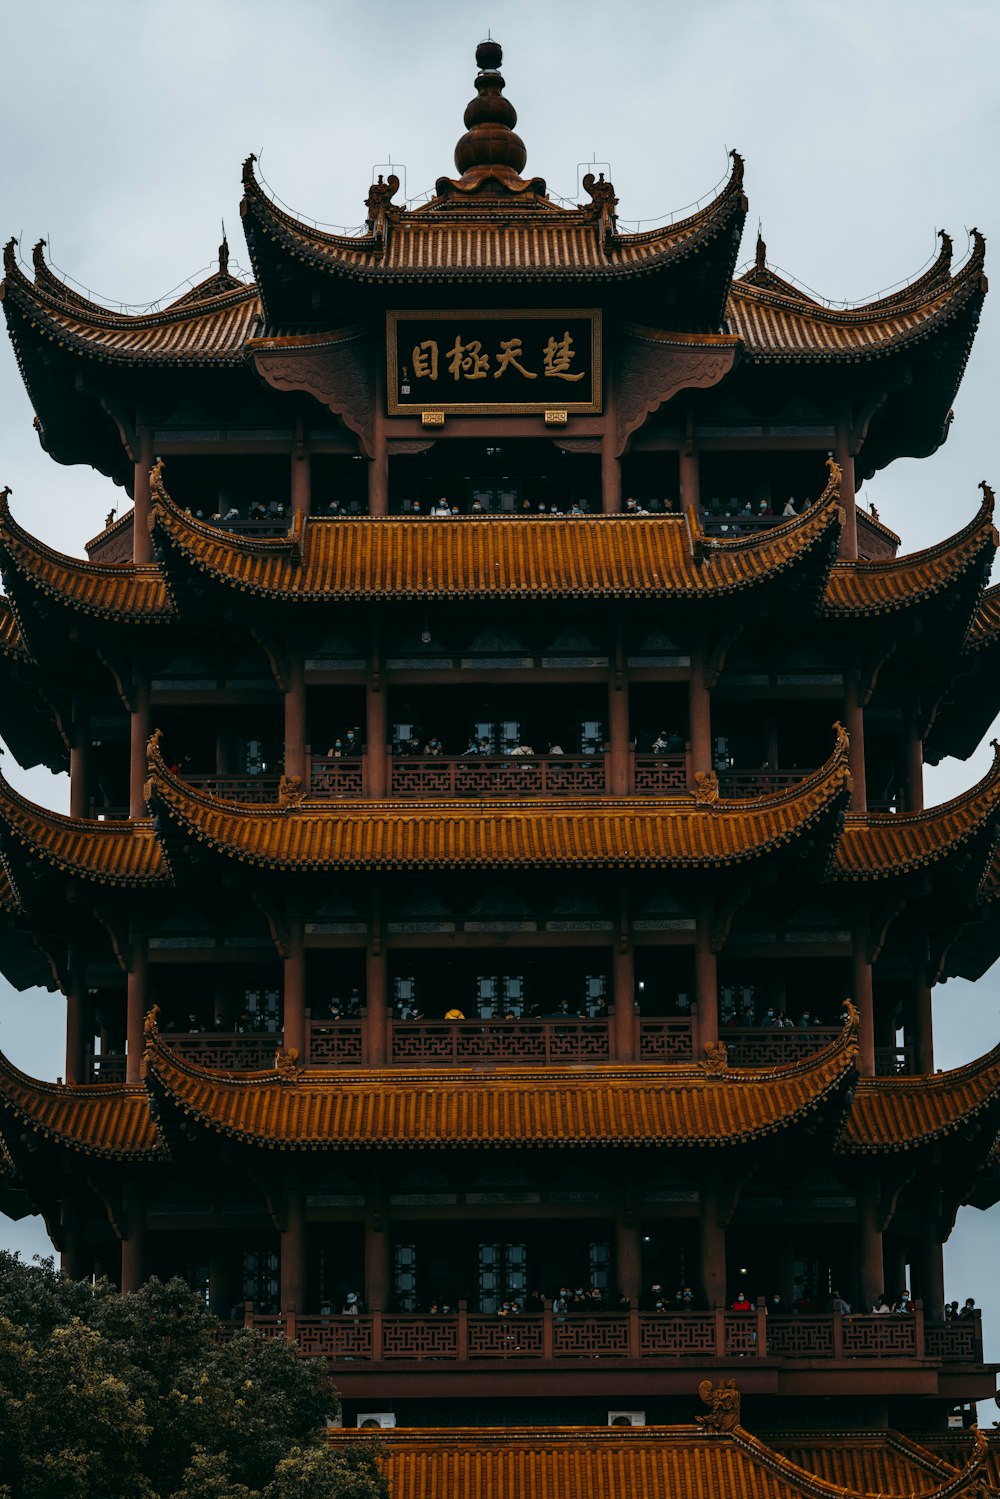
[[352, 1306], [742, 1303], [838, 1304], [970, 1310], [352, 743], [764, 509], [880, 1307], [789, 509], [433, 747], [454, 1014], [951, 1312], [336, 750]]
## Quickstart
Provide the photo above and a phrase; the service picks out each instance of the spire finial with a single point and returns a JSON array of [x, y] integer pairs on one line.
[[490, 118], [224, 253], [761, 249]]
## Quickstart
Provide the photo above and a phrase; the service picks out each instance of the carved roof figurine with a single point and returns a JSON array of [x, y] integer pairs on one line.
[[723, 1401], [490, 156]]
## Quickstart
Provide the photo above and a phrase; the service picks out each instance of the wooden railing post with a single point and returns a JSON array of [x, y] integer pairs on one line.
[[463, 1332], [720, 1332], [633, 1332], [548, 1334], [248, 1314], [761, 1327], [919, 1340], [376, 1317], [838, 1335], [289, 1321]]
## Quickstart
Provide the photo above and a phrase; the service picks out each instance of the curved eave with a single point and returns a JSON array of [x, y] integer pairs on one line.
[[12, 645], [678, 832], [903, 1113], [985, 629], [597, 557], [125, 592], [487, 238], [684, 1105], [119, 854], [858, 590], [103, 1120], [210, 333], [778, 329], [10, 901], [885, 845]]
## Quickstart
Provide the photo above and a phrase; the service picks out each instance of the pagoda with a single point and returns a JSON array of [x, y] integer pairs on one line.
[[497, 911]]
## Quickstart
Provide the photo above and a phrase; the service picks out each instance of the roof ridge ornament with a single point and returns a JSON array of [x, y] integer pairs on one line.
[[602, 194], [490, 156]]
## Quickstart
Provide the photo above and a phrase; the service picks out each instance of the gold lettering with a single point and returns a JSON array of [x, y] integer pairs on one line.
[[467, 361], [511, 353], [557, 357], [425, 360]]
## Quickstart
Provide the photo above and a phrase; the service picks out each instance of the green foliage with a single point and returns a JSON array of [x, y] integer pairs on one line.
[[105, 1396]]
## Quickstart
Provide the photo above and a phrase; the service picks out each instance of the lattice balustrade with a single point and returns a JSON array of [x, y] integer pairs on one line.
[[269, 1326], [590, 1337], [335, 778], [740, 784], [893, 1061], [335, 1337], [880, 1337], [504, 775], [110, 1069], [740, 1335], [255, 790], [769, 1048], [413, 1337], [229, 1051], [505, 1337], [469, 1042], [664, 1336], [665, 1040], [800, 1337], [952, 1342], [661, 775], [332, 1042]]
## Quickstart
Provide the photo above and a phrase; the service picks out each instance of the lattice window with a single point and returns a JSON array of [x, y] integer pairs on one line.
[[260, 1279], [404, 1276]]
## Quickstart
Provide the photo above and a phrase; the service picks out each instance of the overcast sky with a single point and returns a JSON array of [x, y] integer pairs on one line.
[[865, 126]]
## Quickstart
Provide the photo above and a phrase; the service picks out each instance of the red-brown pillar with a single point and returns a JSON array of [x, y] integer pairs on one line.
[[706, 985], [136, 1005], [293, 1249], [79, 759], [870, 1263], [699, 712], [294, 999], [711, 1243], [74, 1259], [919, 1029], [928, 1269], [378, 1249], [376, 754], [628, 1256], [913, 763], [863, 996], [301, 485], [378, 466], [689, 478], [134, 1242], [844, 456], [854, 723], [142, 541], [611, 475], [623, 989], [618, 735], [139, 729], [295, 715], [79, 1025]]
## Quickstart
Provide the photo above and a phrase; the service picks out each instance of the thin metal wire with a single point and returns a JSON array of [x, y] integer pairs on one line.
[[846, 304]]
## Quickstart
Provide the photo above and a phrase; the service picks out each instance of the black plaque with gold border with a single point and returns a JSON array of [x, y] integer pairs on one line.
[[488, 362]]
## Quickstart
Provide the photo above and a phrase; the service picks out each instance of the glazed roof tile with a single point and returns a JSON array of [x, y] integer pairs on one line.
[[857, 588], [110, 853], [118, 591], [986, 625], [101, 1119], [650, 1462], [899, 1113], [11, 641], [640, 833], [880, 845], [573, 557], [311, 1109], [536, 240], [10, 901]]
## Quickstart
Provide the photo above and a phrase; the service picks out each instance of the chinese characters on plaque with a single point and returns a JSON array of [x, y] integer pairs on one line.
[[482, 362]]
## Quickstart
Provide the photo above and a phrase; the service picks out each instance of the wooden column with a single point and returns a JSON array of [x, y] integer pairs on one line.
[[618, 719], [699, 712], [711, 1243], [293, 1249], [854, 723], [79, 1023], [628, 1256], [378, 465], [689, 477], [139, 729], [623, 990], [706, 984], [221, 1292], [294, 999], [376, 729], [134, 1243], [136, 1005], [913, 760], [844, 456], [919, 1028], [863, 998], [301, 478], [79, 759], [74, 1260], [142, 541], [611, 476], [928, 1269], [295, 714], [378, 1249], [870, 1264]]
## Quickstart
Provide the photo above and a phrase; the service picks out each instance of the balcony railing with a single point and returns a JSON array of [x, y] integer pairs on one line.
[[755, 1047], [417, 1043], [747, 783], [660, 775], [665, 1040], [500, 775], [471, 1338], [740, 524], [259, 790]]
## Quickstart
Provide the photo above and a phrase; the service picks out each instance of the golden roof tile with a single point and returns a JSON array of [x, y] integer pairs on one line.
[[119, 591], [110, 853], [573, 557], [11, 640], [880, 845], [10, 901], [649, 1462], [637, 833], [985, 628], [681, 1105], [881, 587], [100, 1119], [900, 1113]]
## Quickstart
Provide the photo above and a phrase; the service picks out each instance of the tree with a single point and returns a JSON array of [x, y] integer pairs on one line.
[[141, 1397]]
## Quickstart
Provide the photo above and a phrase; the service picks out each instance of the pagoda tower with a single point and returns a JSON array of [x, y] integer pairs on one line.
[[497, 912]]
